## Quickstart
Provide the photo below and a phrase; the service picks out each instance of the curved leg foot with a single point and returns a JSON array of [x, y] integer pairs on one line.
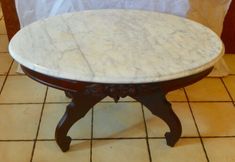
[[64, 143], [80, 105], [160, 107]]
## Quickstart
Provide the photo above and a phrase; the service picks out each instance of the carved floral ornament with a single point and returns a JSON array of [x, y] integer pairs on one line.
[[116, 91]]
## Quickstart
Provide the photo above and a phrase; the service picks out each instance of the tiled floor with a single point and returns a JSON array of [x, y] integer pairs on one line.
[[125, 132]]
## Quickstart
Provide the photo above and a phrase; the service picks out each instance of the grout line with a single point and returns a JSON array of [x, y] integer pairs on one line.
[[4, 82], [146, 132], [218, 136], [204, 149], [124, 138], [119, 138], [32, 140], [207, 101], [222, 77], [92, 126], [186, 137], [80, 139], [39, 123], [47, 103], [230, 96], [17, 75], [165, 137], [22, 140], [131, 101], [36, 103], [108, 102], [3, 51]]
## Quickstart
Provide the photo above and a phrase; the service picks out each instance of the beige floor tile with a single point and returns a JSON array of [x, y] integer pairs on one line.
[[118, 120], [230, 60], [186, 150], [2, 27], [55, 95], [157, 127], [19, 121], [208, 89], [5, 63], [177, 95], [21, 89], [53, 113], [50, 152], [215, 119], [15, 151], [14, 68], [220, 149], [230, 84], [120, 151], [4, 43]]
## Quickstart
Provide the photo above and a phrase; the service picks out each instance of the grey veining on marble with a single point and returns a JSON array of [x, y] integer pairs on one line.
[[116, 46]]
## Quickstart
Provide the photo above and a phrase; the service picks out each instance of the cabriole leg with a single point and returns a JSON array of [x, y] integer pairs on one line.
[[160, 107], [79, 106]]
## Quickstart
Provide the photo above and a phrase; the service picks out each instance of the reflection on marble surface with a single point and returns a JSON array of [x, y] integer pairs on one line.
[[116, 46]]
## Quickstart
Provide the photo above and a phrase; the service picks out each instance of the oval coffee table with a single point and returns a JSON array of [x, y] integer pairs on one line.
[[116, 53]]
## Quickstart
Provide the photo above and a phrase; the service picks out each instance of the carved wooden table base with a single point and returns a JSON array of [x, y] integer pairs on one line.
[[151, 97], [85, 95]]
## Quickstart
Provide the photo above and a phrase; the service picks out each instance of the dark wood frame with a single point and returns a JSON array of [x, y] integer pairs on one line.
[[85, 95], [10, 17], [228, 34]]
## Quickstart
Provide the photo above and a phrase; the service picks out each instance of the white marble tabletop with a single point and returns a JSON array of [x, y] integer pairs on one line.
[[116, 46]]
